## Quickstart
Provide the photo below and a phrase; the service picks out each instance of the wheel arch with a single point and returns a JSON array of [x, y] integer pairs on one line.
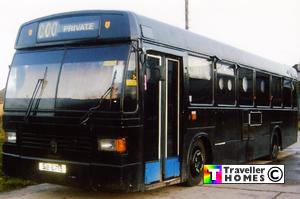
[[188, 140]]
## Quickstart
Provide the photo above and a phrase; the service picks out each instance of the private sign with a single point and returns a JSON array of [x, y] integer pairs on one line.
[[53, 28]]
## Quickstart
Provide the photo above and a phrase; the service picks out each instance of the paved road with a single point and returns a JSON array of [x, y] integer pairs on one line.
[[292, 165], [289, 190]]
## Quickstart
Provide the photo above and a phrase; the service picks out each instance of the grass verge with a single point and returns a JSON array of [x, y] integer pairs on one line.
[[8, 183]]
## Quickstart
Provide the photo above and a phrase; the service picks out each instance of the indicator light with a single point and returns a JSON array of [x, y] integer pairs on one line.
[[118, 145], [194, 115]]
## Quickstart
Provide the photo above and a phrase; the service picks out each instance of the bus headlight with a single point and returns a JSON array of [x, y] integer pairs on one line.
[[118, 145], [10, 137]]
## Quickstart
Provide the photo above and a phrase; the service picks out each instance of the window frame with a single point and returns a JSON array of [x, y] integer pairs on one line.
[[216, 86], [238, 84], [269, 90], [291, 93], [212, 67], [281, 90], [295, 85]]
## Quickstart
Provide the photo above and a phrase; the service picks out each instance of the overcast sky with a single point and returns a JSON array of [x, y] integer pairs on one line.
[[269, 28]]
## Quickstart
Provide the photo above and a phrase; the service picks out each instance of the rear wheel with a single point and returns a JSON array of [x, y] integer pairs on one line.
[[196, 159], [274, 148]]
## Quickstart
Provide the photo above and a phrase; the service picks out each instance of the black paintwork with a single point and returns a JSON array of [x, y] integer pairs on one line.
[[77, 146]]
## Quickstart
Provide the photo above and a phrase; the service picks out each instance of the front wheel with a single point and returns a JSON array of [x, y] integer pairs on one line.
[[274, 148], [196, 160]]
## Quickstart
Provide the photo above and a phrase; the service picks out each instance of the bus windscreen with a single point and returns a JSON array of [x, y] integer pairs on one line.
[[75, 80]]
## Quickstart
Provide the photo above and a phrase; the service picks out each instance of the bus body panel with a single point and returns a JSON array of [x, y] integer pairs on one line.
[[156, 153]]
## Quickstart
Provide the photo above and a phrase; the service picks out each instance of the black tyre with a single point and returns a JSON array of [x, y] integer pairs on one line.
[[196, 159], [274, 148]]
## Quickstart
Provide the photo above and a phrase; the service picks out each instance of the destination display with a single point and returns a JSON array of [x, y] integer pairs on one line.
[[73, 28], [68, 28]]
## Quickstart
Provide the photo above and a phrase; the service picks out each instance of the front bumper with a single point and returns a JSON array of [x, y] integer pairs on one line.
[[89, 175]]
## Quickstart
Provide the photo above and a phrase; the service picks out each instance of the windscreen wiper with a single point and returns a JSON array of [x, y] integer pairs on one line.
[[87, 115], [40, 83]]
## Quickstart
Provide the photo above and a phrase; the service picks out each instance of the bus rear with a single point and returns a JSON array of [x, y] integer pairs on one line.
[[71, 111]]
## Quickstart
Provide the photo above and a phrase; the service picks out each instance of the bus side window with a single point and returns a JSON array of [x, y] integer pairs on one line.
[[287, 92], [225, 84], [131, 83], [245, 86], [276, 91], [295, 95], [200, 80], [262, 89]]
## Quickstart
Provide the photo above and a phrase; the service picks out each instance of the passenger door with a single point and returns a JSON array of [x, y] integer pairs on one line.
[[172, 119], [161, 112]]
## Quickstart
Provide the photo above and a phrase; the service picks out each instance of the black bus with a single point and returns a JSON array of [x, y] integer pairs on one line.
[[117, 101]]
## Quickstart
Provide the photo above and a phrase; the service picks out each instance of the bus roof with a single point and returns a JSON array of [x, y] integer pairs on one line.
[[165, 33], [107, 25]]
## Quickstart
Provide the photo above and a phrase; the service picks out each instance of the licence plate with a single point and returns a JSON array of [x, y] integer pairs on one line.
[[52, 167]]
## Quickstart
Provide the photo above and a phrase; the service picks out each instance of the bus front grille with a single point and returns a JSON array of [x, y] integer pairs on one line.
[[54, 143]]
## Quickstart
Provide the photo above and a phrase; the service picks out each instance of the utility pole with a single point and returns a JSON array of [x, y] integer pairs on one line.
[[186, 14]]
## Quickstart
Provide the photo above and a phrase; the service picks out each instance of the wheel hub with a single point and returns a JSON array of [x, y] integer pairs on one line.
[[197, 162]]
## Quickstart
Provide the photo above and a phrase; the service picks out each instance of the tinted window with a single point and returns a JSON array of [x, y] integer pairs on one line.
[[262, 89], [130, 96], [294, 92], [276, 91], [172, 100], [151, 105], [26, 70], [245, 86], [287, 92], [225, 84], [200, 80], [88, 73]]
